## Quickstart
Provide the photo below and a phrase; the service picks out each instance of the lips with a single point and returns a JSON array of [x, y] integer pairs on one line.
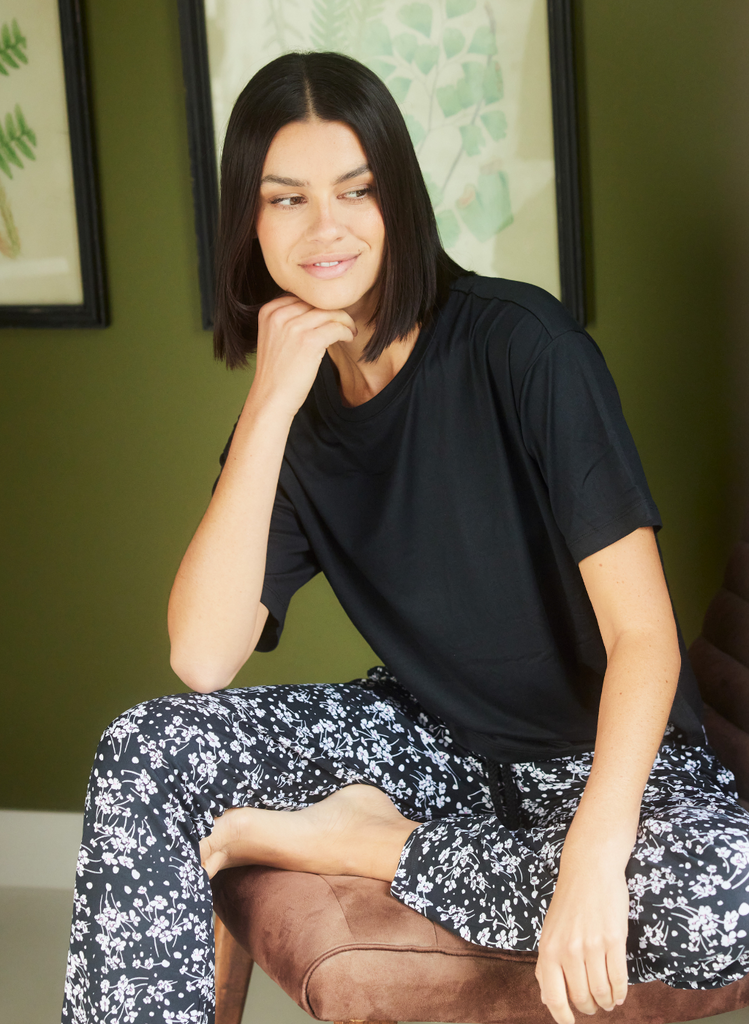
[[330, 265]]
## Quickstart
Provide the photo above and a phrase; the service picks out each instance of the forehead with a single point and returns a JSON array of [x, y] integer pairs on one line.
[[316, 151]]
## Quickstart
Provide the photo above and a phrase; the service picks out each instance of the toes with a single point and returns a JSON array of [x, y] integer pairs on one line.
[[205, 850]]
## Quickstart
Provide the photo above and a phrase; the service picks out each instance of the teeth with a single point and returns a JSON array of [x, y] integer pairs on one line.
[[334, 264]]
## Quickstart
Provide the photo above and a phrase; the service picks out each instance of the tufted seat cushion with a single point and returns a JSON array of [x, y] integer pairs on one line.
[[344, 949]]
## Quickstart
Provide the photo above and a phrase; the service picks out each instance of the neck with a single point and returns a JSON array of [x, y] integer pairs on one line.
[[359, 381]]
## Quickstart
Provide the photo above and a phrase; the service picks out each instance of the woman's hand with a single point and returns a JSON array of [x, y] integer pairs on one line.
[[582, 951], [292, 339]]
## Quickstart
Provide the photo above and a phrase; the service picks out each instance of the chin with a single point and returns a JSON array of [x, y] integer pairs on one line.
[[327, 297]]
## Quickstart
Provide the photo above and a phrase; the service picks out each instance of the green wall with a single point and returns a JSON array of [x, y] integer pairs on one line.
[[110, 437]]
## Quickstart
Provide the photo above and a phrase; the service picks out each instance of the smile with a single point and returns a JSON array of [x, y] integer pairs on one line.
[[330, 268]]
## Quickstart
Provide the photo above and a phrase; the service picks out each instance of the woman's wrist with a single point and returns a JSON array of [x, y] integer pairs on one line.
[[269, 405], [600, 839]]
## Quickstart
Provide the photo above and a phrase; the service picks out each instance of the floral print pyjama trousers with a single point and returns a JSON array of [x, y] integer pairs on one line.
[[141, 947]]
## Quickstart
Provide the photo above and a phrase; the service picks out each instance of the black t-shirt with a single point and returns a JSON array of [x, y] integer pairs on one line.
[[450, 511]]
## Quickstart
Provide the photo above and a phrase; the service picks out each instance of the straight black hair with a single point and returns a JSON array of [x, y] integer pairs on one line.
[[416, 271]]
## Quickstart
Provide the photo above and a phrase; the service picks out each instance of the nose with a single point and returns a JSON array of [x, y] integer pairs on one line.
[[324, 227]]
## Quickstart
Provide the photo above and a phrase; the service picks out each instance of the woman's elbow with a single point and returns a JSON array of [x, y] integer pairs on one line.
[[201, 675]]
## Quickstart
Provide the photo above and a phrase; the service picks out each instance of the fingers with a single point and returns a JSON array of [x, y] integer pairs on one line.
[[336, 322], [550, 978], [597, 984], [288, 307], [322, 325], [280, 302], [616, 962], [578, 985], [589, 980]]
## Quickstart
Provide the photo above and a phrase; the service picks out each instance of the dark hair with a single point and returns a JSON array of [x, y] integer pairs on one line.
[[416, 271]]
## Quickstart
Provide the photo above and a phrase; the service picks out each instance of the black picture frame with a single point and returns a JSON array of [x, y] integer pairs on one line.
[[202, 145], [93, 311]]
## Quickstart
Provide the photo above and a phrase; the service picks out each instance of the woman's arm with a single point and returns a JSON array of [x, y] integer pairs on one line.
[[582, 947], [215, 614]]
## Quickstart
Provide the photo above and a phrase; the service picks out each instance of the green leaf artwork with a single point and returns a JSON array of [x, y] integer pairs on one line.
[[399, 87], [449, 100], [415, 130], [467, 93], [17, 137], [473, 79], [376, 41], [405, 45], [493, 86], [485, 209], [495, 123], [483, 41], [382, 68], [454, 8], [448, 227], [473, 139], [435, 192], [453, 42], [418, 17], [14, 44], [367, 10], [284, 31], [329, 18], [426, 57]]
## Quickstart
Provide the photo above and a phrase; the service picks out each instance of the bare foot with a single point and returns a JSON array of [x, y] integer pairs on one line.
[[354, 831]]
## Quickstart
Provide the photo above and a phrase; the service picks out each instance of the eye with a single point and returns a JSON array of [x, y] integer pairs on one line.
[[359, 193], [287, 201]]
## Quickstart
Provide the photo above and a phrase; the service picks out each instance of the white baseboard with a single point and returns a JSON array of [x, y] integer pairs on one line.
[[38, 849]]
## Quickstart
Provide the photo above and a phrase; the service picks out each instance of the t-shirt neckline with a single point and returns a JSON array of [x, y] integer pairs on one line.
[[391, 390]]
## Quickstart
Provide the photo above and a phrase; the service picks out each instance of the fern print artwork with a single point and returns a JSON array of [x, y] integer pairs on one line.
[[17, 139], [471, 79], [40, 263]]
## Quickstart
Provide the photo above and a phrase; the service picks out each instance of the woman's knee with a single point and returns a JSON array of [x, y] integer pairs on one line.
[[151, 733], [691, 878]]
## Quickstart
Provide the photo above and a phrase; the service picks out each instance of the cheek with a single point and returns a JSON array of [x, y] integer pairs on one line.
[[270, 238], [265, 238]]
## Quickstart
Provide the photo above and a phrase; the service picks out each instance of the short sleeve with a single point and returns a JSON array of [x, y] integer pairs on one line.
[[574, 428], [289, 563]]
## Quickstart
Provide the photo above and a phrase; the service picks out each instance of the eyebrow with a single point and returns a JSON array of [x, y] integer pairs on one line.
[[276, 179]]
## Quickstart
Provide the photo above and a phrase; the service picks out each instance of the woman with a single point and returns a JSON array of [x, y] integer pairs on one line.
[[450, 450]]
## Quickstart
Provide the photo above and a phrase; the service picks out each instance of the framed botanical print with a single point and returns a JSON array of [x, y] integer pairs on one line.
[[487, 91], [51, 272]]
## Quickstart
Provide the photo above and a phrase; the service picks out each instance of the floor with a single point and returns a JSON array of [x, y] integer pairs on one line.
[[34, 923]]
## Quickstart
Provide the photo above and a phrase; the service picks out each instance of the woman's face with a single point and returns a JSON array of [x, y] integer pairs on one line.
[[319, 223]]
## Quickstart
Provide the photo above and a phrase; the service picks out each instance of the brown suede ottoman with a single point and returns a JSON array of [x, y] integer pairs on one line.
[[344, 949]]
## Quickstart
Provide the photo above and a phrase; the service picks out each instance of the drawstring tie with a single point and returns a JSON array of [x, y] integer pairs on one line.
[[505, 796]]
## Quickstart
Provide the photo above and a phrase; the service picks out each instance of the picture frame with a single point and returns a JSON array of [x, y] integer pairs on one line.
[[488, 157], [51, 252]]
